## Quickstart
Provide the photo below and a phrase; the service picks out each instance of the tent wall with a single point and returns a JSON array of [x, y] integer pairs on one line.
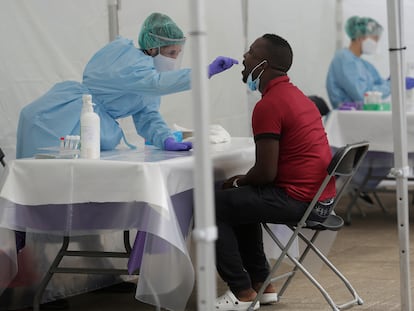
[[48, 41], [309, 26], [44, 42]]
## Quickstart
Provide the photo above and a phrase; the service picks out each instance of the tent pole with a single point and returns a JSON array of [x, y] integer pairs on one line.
[[399, 122], [113, 7], [245, 22], [205, 232]]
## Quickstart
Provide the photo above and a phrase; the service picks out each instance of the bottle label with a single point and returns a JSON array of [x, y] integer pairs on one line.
[[90, 143]]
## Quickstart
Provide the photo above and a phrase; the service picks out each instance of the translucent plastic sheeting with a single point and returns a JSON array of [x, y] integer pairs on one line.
[[126, 189]]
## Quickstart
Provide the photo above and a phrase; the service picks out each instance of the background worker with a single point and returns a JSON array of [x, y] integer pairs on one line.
[[349, 75], [123, 81]]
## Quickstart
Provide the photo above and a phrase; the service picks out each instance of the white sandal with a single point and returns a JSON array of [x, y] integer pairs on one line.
[[268, 298], [229, 302]]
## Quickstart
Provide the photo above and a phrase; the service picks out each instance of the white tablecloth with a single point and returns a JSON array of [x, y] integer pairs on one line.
[[139, 183], [344, 127]]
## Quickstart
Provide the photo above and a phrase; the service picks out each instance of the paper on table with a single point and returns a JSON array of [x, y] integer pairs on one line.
[[217, 133]]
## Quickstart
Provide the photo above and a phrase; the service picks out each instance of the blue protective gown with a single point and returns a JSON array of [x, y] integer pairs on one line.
[[349, 77], [122, 81]]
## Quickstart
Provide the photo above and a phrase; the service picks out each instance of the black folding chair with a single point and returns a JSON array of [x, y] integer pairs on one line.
[[321, 104], [3, 163], [344, 164]]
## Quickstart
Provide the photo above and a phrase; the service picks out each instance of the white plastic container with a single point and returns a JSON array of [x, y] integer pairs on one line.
[[90, 130]]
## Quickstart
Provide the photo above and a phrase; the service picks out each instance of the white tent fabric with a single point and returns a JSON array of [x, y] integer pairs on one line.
[[49, 41], [43, 46]]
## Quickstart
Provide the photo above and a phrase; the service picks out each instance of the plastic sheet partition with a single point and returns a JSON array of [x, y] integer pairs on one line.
[[126, 189]]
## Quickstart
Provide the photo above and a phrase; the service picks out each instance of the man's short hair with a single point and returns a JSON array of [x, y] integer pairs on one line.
[[280, 52]]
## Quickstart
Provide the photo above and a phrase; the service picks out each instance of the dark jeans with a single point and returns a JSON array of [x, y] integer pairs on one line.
[[240, 257]]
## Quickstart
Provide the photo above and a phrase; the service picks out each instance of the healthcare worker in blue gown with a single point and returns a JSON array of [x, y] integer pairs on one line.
[[123, 81], [349, 75]]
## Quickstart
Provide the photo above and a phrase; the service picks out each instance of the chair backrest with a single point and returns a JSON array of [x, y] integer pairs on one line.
[[2, 158], [344, 163], [320, 104]]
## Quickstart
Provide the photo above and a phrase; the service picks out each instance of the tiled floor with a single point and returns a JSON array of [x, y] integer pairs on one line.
[[367, 252]]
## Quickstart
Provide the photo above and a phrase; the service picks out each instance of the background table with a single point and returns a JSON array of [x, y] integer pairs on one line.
[[127, 189], [345, 127]]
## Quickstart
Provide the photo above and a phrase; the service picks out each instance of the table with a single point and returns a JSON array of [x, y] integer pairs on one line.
[[343, 127], [126, 189]]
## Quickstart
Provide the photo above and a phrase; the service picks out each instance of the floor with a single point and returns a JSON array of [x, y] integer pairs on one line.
[[367, 252]]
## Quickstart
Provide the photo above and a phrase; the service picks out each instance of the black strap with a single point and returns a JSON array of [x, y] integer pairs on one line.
[[397, 49]]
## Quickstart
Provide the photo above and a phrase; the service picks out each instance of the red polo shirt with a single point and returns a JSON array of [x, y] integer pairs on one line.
[[285, 113]]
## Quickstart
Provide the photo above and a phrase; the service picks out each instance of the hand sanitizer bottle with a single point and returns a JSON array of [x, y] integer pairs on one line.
[[90, 130]]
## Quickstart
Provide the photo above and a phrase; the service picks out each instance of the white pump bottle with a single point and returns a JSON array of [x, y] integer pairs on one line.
[[90, 130]]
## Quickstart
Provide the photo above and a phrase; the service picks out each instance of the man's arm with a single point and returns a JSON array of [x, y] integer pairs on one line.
[[264, 170]]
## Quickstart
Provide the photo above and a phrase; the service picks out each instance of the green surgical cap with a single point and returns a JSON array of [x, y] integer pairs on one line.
[[357, 27], [159, 30]]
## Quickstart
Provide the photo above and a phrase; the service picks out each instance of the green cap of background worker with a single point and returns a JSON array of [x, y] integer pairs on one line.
[[357, 27], [159, 30]]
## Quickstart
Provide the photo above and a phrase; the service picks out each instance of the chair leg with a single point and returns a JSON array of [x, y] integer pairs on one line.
[[270, 278], [301, 259], [298, 265], [356, 299], [377, 198], [354, 197], [354, 202]]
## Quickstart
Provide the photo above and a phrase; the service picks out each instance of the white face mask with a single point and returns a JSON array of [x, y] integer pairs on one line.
[[164, 63], [369, 46]]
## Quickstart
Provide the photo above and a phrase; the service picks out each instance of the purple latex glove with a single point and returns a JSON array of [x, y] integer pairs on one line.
[[220, 64], [409, 83], [171, 145]]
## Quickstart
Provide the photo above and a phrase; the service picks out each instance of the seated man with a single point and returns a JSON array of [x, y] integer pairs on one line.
[[292, 155]]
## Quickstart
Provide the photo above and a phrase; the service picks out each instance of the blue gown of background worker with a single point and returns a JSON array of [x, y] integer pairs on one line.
[[349, 75], [123, 81]]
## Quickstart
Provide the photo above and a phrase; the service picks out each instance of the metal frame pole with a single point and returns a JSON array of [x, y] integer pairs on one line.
[[205, 232], [399, 124], [113, 23]]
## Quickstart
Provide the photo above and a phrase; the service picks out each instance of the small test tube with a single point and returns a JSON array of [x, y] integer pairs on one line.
[[62, 144], [67, 142], [76, 141], [71, 142]]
